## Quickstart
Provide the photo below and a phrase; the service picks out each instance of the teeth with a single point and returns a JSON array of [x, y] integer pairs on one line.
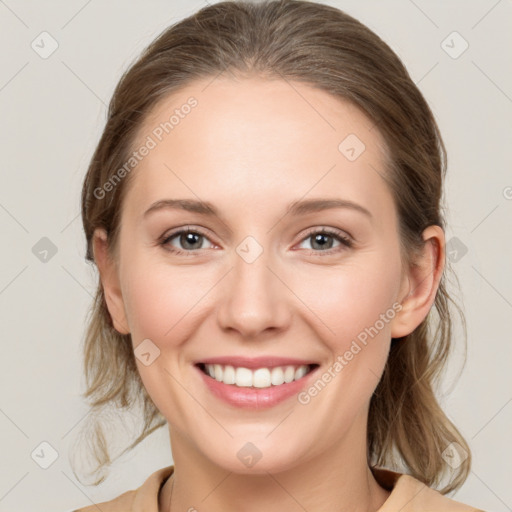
[[260, 378], [228, 375], [300, 372], [243, 376]]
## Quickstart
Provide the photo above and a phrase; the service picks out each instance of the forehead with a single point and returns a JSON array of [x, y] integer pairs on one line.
[[261, 141]]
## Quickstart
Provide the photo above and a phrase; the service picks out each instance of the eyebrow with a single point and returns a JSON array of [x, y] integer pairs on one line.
[[295, 208]]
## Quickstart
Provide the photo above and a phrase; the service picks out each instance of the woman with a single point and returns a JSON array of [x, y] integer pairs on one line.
[[264, 208]]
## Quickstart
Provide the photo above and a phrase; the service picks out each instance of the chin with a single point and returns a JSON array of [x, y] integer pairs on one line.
[[257, 457]]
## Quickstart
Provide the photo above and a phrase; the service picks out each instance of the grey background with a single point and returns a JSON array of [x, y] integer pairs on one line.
[[52, 112]]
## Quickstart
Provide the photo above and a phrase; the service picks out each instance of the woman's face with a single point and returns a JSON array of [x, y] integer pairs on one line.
[[255, 280]]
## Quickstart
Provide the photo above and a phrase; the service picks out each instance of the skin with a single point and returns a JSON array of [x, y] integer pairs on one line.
[[251, 147]]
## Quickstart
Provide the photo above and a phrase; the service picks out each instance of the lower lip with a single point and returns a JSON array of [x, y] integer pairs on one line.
[[255, 398]]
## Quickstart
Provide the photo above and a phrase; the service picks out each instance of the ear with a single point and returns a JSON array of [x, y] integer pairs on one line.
[[422, 281], [110, 281]]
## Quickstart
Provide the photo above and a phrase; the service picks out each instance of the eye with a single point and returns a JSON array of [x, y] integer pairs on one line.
[[322, 238], [191, 240]]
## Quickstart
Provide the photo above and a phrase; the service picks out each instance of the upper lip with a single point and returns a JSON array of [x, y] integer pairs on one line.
[[256, 362]]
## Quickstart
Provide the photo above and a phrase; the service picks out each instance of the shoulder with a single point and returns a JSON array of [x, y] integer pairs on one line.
[[144, 497], [410, 495], [122, 502]]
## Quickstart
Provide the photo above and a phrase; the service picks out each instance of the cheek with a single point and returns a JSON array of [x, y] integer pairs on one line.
[[162, 304], [354, 301], [353, 311], [162, 300]]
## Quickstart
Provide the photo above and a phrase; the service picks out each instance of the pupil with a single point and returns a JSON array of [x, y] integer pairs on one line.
[[318, 239], [189, 239]]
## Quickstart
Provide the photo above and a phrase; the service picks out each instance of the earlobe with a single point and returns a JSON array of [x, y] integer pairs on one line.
[[110, 281], [424, 278]]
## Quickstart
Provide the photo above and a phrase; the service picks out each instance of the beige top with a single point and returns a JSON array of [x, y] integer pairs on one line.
[[407, 495]]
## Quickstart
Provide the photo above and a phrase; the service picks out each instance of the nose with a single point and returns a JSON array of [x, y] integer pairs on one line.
[[254, 298]]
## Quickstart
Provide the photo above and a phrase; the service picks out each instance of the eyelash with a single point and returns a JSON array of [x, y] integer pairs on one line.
[[345, 241]]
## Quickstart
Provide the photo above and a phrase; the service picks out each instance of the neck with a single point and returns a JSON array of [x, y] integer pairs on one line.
[[337, 481]]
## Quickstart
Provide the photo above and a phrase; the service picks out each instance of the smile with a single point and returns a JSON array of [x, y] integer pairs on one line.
[[257, 378]]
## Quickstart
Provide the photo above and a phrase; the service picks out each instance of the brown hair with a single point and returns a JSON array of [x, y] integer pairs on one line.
[[328, 49]]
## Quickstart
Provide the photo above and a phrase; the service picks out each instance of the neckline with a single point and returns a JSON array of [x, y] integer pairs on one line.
[[386, 478]]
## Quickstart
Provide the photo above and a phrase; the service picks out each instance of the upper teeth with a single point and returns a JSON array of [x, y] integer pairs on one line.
[[260, 378]]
